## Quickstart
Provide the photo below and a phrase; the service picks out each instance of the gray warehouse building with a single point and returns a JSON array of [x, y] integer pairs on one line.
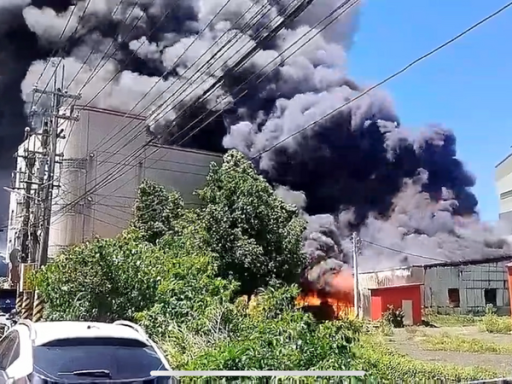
[[504, 188]]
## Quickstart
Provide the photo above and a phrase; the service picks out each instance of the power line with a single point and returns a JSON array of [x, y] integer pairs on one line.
[[345, 4], [101, 185], [106, 50], [61, 49], [104, 142], [134, 153], [394, 75], [96, 70], [118, 132], [60, 38], [404, 252], [245, 56], [339, 7], [391, 77]]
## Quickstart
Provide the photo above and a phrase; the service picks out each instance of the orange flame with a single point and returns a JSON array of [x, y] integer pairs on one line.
[[338, 302]]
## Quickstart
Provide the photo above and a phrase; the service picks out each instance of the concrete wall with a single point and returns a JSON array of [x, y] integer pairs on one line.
[[105, 156], [503, 177], [105, 153]]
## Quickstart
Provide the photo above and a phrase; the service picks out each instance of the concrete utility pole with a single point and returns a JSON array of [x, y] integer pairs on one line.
[[356, 253], [26, 180], [49, 154]]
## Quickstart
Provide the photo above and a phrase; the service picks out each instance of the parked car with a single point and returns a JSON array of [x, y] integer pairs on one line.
[[80, 352], [7, 300]]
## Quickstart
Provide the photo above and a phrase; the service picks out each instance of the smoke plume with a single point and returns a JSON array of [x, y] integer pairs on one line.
[[218, 80]]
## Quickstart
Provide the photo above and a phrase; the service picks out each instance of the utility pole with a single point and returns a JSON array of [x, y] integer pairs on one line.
[[30, 160], [356, 252], [49, 140], [36, 220]]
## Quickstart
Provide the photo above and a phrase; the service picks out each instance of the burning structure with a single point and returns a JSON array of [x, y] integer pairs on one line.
[[248, 74], [329, 294]]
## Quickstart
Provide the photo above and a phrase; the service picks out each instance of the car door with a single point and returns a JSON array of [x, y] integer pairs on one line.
[[9, 353]]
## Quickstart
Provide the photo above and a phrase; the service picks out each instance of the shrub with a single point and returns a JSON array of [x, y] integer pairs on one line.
[[282, 338], [394, 317], [493, 323], [189, 291], [102, 280]]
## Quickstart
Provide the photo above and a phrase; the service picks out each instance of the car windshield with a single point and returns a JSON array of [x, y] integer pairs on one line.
[[95, 360]]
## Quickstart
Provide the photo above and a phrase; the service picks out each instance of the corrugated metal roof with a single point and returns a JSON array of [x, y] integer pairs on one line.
[[369, 264], [396, 286]]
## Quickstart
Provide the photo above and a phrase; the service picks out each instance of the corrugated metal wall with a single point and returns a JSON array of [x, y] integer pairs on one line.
[[401, 276], [472, 281]]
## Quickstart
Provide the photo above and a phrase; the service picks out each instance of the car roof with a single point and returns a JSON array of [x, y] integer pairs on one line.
[[45, 332]]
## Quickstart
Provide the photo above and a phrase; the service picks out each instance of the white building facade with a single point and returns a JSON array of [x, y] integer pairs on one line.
[[503, 176], [104, 159], [450, 288]]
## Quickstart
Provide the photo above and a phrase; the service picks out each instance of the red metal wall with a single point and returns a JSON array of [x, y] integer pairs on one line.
[[383, 297]]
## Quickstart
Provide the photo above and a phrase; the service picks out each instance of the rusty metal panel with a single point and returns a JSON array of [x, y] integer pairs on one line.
[[472, 281]]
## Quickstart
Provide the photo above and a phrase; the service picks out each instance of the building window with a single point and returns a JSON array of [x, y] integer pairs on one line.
[[453, 297], [505, 195], [490, 296]]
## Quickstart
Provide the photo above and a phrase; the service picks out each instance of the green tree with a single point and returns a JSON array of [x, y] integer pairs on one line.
[[256, 235], [156, 210], [103, 280]]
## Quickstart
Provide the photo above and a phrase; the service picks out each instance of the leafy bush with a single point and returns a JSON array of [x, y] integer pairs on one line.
[[282, 338], [189, 291], [255, 234], [493, 323], [394, 317], [102, 280]]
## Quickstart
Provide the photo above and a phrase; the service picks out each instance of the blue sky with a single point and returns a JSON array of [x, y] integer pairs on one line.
[[467, 86]]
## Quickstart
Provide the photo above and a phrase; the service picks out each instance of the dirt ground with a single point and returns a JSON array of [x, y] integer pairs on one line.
[[403, 342]]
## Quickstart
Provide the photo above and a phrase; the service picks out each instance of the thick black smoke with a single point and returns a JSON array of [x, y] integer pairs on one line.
[[357, 170]]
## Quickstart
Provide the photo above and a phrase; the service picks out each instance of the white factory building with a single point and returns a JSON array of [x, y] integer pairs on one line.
[[102, 159], [504, 187], [448, 288]]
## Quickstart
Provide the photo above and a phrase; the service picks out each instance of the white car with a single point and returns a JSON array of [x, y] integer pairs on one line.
[[79, 352]]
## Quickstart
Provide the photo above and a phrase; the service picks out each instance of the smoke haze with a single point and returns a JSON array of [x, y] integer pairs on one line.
[[357, 170]]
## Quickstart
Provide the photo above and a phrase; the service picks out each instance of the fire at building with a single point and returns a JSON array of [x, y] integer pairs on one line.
[[328, 296]]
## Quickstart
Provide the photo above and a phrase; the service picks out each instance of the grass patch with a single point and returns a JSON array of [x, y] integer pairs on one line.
[[382, 361], [456, 343], [493, 323], [452, 320], [490, 322]]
